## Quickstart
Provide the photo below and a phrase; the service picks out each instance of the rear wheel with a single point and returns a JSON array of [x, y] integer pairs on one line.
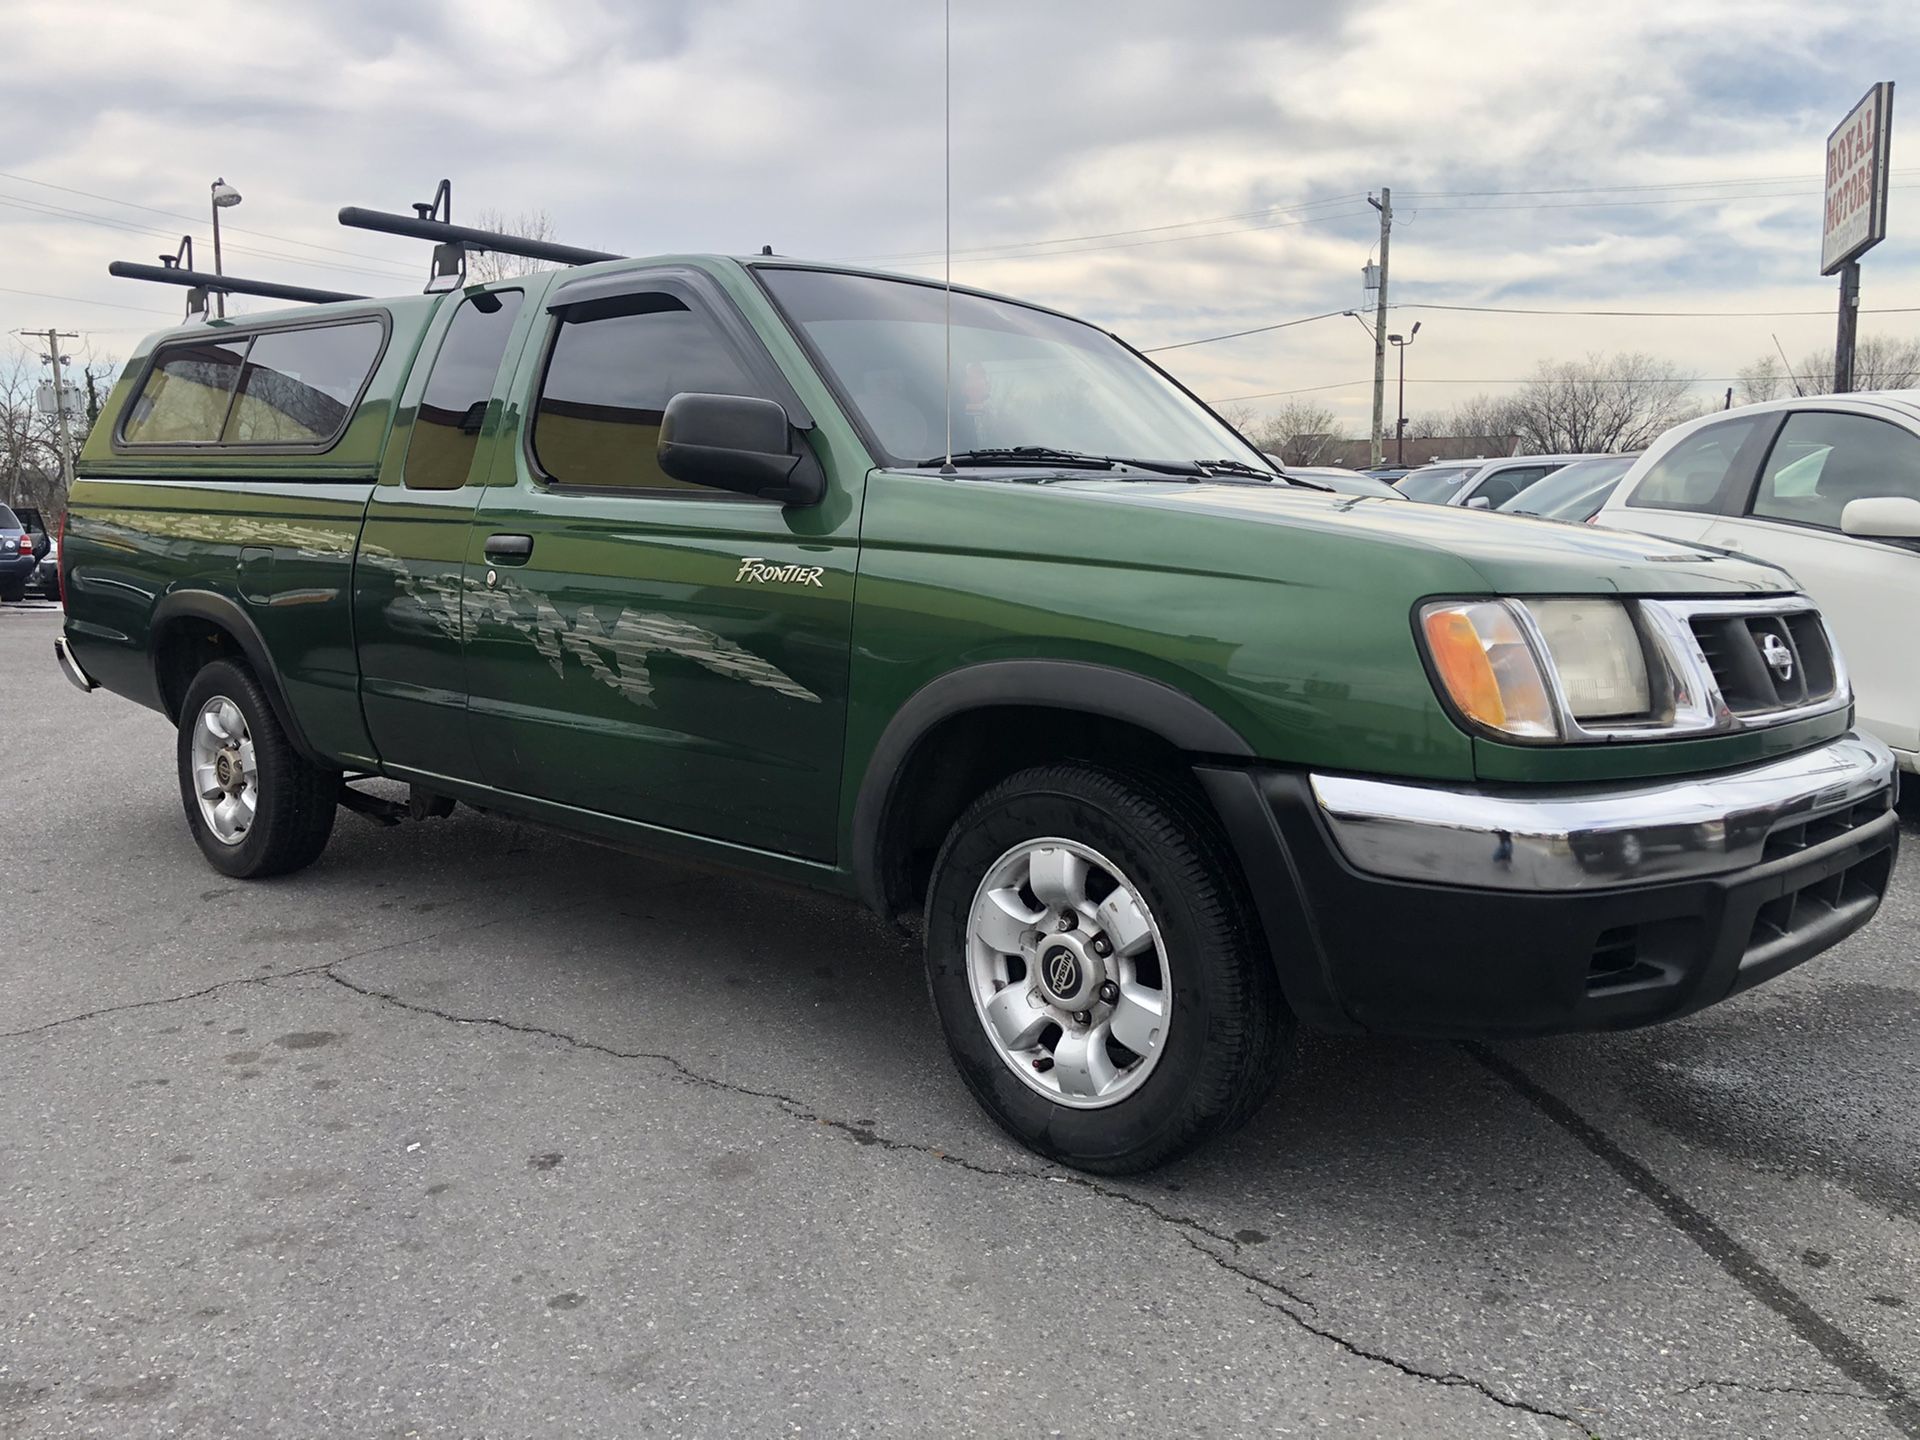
[[1097, 971], [255, 805], [10, 593]]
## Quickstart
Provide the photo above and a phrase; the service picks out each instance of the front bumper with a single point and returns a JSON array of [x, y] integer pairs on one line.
[[1469, 912]]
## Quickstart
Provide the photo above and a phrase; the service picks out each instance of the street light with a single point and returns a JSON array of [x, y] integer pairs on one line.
[[1400, 343], [224, 198]]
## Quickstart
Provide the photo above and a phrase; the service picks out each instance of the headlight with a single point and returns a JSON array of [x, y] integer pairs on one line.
[[1488, 669], [1503, 662], [1597, 656]]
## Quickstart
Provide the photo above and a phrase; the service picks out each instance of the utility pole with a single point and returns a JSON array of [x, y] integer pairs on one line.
[[1385, 206], [52, 357]]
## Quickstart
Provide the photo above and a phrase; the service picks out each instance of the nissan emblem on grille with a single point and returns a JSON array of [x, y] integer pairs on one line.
[[1778, 657]]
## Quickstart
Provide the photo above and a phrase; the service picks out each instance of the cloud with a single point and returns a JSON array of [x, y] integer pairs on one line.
[[678, 125]]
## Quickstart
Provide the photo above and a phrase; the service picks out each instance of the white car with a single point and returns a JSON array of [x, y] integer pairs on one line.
[[1480, 484], [1826, 487]]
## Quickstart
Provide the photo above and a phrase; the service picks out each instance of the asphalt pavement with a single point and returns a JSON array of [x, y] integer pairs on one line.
[[473, 1130]]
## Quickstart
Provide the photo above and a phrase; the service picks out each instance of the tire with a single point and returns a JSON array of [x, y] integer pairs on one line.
[[292, 801], [12, 593], [1203, 1005]]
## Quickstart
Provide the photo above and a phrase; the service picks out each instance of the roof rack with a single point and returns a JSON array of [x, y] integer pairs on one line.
[[433, 220], [177, 269]]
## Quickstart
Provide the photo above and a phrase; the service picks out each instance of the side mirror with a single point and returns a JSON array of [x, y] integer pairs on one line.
[[1882, 517], [739, 443], [1480, 502]]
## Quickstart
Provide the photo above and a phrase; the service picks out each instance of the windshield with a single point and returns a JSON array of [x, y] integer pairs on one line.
[[1570, 492], [1021, 376], [1436, 484]]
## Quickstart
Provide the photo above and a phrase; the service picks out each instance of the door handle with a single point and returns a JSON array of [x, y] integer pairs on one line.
[[509, 549]]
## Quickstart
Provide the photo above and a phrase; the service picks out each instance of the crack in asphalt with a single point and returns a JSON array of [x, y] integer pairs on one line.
[[199, 994], [1453, 1379], [1699, 1385], [1847, 1354], [267, 978], [1269, 1292]]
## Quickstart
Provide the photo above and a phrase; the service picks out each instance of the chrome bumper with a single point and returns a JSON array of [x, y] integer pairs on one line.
[[70, 667], [1591, 837]]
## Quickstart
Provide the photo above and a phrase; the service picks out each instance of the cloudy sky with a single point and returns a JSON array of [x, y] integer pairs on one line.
[[1171, 170]]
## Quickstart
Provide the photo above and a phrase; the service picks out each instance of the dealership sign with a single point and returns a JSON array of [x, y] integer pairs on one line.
[[1857, 156]]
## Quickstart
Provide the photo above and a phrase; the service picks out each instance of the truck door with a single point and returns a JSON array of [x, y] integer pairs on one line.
[[643, 648], [407, 575]]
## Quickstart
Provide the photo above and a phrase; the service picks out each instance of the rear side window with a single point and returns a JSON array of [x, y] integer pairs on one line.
[[8, 520], [280, 387], [446, 431], [1690, 476], [299, 386], [615, 365], [1821, 461], [184, 399]]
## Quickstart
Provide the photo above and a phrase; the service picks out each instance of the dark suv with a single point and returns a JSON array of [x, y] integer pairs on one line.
[[22, 543]]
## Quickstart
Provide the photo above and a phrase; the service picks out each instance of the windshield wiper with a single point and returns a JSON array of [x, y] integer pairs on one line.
[[1238, 467], [1047, 455]]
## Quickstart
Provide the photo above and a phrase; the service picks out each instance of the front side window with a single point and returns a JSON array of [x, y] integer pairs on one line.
[[1020, 376], [614, 366], [1822, 460], [1690, 475], [184, 399], [446, 429], [300, 385], [1501, 487]]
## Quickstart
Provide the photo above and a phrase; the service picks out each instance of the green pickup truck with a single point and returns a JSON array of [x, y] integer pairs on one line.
[[736, 559]]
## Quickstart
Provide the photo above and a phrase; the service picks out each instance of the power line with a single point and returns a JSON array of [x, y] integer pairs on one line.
[[1622, 204], [1162, 240], [1303, 390], [76, 300], [905, 255], [1604, 189], [190, 219], [61, 212], [1236, 334], [1645, 314]]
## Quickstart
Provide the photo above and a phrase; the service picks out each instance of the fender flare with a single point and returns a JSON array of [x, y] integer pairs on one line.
[[227, 614], [1104, 690]]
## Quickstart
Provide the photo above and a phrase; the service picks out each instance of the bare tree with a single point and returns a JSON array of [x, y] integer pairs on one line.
[[30, 439], [1759, 381], [488, 265], [1880, 362], [1601, 403], [1299, 432]]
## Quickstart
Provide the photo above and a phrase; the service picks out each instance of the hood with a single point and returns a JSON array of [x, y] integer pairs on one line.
[[1514, 554]]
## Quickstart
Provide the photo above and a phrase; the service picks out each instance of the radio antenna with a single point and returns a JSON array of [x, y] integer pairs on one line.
[[947, 143], [1789, 364]]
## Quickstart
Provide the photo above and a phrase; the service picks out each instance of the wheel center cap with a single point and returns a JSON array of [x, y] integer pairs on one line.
[[1068, 974], [223, 768]]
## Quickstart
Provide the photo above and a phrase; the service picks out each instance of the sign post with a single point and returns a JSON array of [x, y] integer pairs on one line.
[[1855, 218]]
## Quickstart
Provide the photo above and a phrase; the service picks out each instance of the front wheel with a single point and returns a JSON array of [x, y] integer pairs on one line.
[[255, 805], [1097, 970]]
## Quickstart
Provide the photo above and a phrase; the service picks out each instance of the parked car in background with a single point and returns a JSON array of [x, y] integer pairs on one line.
[[1828, 488], [1389, 473], [1574, 492], [18, 559], [1435, 484], [45, 579], [1346, 482]]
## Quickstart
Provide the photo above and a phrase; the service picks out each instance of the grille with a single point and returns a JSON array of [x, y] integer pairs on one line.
[[1764, 663], [1804, 834], [1815, 906]]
